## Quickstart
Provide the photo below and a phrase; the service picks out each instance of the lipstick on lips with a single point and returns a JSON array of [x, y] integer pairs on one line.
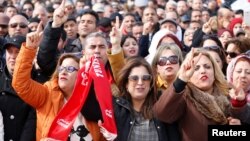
[[204, 77]]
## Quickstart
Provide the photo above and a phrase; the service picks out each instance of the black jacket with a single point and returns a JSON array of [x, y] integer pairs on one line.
[[125, 121], [18, 117], [2, 61], [48, 53], [145, 41]]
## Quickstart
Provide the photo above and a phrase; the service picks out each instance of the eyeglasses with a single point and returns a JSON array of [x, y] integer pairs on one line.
[[3, 26], [21, 25], [69, 69], [144, 78], [28, 9], [231, 54], [163, 60], [216, 49]]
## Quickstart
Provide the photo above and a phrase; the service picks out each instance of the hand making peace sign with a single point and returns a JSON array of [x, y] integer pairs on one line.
[[116, 34]]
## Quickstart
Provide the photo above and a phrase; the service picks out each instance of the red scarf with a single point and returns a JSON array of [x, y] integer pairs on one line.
[[63, 122]]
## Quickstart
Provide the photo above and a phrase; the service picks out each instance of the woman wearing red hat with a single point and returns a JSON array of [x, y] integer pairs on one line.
[[235, 26]]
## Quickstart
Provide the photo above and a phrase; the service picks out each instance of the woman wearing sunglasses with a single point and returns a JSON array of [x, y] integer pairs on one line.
[[198, 94], [166, 64], [133, 109], [235, 47], [161, 37]]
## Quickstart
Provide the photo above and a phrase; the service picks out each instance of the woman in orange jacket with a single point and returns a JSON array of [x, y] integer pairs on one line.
[[49, 98]]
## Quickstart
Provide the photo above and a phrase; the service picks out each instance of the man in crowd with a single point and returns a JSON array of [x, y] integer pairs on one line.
[[18, 25], [4, 21], [19, 118]]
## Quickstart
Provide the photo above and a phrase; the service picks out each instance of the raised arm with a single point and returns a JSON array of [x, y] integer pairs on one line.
[[29, 90], [116, 56], [48, 52], [239, 106]]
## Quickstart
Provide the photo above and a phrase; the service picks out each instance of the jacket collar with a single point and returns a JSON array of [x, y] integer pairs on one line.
[[161, 83], [213, 106]]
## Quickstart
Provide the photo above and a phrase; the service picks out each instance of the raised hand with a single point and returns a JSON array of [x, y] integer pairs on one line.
[[116, 35], [188, 66], [214, 23], [33, 39], [237, 93], [206, 28], [60, 15], [147, 27]]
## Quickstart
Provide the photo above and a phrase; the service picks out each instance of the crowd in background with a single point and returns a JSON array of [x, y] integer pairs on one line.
[[173, 67]]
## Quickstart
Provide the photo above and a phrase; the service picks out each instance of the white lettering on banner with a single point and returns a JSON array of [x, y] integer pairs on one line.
[[97, 68], [84, 79], [108, 113], [63, 123]]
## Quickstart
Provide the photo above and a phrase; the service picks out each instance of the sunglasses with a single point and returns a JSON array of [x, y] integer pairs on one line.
[[231, 54], [69, 69], [144, 78], [3, 26], [172, 59], [28, 9], [21, 25], [211, 47]]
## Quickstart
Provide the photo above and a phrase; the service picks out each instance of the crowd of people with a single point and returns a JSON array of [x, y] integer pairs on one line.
[[122, 70]]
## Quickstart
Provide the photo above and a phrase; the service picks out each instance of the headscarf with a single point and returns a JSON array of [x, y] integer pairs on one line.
[[158, 36], [230, 70], [221, 31]]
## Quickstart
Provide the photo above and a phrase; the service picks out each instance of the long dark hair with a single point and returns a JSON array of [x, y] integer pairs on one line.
[[122, 81], [125, 37]]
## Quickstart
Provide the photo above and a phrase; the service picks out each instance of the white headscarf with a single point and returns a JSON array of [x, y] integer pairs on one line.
[[155, 42], [230, 70]]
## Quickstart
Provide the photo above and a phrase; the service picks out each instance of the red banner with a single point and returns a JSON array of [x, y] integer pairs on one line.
[[63, 122]]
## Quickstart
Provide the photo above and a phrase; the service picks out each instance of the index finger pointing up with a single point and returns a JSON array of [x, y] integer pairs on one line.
[[39, 27], [117, 22], [192, 54], [62, 4]]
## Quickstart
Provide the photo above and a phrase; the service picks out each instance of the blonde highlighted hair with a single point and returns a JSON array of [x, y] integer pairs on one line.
[[219, 78]]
